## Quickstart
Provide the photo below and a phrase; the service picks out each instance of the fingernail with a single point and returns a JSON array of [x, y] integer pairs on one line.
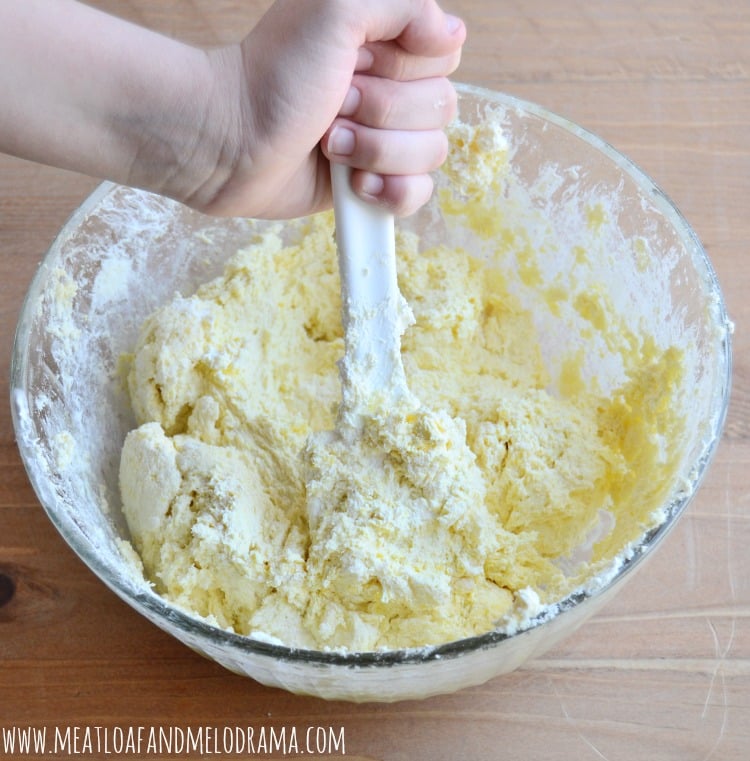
[[351, 102], [371, 185], [365, 59], [452, 23], [341, 141]]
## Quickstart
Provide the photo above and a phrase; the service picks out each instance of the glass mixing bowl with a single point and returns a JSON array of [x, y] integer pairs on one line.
[[124, 252]]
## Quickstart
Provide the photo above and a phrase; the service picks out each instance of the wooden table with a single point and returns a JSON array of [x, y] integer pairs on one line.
[[664, 671]]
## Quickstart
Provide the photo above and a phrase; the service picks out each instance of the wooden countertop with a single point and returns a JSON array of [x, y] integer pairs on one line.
[[664, 671]]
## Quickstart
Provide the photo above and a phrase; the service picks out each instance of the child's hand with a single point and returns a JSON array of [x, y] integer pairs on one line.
[[243, 130], [360, 82]]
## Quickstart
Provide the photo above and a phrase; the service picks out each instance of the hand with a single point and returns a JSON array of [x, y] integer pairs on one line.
[[358, 82], [243, 130]]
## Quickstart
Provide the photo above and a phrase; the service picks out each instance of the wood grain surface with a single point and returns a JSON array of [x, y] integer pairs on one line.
[[664, 671]]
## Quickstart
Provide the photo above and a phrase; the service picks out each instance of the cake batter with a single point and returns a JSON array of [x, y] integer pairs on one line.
[[252, 505]]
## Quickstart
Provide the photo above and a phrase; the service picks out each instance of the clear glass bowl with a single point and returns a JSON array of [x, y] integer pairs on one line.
[[124, 252]]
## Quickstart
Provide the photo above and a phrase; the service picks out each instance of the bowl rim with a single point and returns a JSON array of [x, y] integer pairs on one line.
[[158, 609]]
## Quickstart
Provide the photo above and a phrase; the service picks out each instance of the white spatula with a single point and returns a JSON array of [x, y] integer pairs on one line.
[[374, 313]]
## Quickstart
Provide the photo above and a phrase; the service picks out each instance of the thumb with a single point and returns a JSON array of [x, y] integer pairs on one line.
[[420, 27]]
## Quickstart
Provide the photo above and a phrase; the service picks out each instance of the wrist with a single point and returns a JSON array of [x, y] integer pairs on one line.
[[221, 157], [179, 131]]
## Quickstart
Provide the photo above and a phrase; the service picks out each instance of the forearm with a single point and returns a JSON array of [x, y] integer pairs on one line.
[[89, 92]]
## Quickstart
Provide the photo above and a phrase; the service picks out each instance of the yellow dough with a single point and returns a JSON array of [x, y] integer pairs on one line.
[[440, 516]]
